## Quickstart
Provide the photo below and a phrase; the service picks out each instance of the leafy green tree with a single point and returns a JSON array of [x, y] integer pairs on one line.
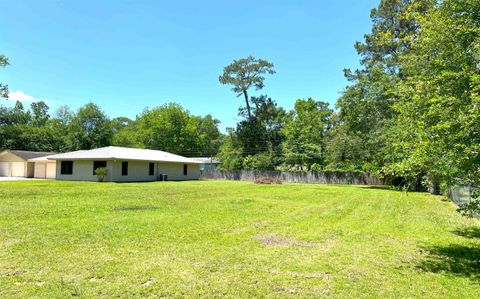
[[395, 25], [3, 87], [305, 133], [262, 133], [209, 137], [89, 128], [437, 130], [40, 114], [59, 125], [9, 137], [28, 137], [230, 153], [261, 161], [344, 150], [64, 115], [42, 139], [6, 117], [121, 122], [172, 128], [26, 130], [366, 106], [127, 137], [168, 127], [244, 74], [272, 118], [252, 137], [125, 132], [18, 115]]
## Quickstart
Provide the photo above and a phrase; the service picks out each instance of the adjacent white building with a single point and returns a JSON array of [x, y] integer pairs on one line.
[[15, 163], [125, 165], [208, 163]]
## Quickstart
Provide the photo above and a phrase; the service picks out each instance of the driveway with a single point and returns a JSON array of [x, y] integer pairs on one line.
[[11, 178]]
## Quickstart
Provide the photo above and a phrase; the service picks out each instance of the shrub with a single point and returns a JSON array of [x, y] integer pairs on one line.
[[262, 161], [268, 180], [101, 173], [472, 208], [316, 167]]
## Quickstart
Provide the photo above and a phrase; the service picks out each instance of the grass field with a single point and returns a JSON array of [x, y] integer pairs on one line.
[[232, 239]]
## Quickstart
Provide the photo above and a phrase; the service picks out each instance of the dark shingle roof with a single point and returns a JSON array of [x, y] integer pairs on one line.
[[30, 155]]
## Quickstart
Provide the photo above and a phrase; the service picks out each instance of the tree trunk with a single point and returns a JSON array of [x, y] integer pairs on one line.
[[434, 187], [248, 104]]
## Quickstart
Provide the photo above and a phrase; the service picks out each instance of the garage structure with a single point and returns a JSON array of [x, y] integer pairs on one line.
[[15, 163], [44, 168]]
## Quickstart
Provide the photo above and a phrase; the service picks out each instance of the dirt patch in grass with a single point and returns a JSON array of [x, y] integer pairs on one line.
[[323, 275], [135, 208], [261, 223], [148, 283], [235, 231], [13, 273], [275, 240], [6, 243]]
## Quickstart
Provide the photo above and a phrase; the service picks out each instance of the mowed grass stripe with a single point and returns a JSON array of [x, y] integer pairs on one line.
[[232, 239]]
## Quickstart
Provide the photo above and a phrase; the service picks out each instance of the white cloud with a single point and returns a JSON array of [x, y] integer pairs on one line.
[[19, 96]]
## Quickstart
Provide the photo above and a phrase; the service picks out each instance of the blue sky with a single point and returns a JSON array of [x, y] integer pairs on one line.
[[128, 55]]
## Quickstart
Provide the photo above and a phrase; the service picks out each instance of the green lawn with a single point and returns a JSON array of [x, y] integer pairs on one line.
[[232, 239]]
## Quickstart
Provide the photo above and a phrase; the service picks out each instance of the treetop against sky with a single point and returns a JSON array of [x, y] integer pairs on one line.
[[127, 55]]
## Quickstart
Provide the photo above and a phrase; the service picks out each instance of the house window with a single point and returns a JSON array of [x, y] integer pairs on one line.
[[151, 169], [185, 169], [66, 167], [98, 164], [124, 168]]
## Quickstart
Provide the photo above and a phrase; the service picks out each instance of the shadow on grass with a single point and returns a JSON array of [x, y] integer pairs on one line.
[[455, 259], [387, 188], [135, 208], [378, 187], [472, 232]]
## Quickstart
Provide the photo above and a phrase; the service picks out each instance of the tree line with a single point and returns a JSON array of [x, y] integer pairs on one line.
[[412, 111], [409, 114], [169, 127]]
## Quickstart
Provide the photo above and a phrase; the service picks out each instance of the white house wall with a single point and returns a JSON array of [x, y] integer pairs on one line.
[[51, 170], [175, 171], [138, 171], [44, 170], [82, 171]]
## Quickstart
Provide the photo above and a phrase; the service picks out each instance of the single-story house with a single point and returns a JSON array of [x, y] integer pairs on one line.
[[17, 163], [125, 165], [208, 164]]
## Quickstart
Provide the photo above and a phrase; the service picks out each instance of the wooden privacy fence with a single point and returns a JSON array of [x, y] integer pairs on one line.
[[338, 177]]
